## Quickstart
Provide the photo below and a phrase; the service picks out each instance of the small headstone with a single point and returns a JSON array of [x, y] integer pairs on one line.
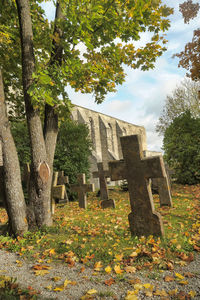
[[108, 203], [57, 191], [62, 179], [102, 175], [143, 219], [82, 188]]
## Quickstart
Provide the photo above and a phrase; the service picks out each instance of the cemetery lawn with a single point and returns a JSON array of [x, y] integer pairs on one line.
[[101, 239]]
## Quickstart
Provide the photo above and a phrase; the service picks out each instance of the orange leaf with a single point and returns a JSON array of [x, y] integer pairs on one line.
[[109, 281], [169, 278], [41, 267], [117, 269], [130, 269]]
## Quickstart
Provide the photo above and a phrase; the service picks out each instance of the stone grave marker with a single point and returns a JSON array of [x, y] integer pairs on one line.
[[82, 188], [143, 219], [102, 175], [57, 191], [62, 179]]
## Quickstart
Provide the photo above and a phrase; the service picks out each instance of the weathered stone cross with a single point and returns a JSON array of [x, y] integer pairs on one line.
[[82, 188], [62, 179], [143, 219], [102, 175], [57, 191]]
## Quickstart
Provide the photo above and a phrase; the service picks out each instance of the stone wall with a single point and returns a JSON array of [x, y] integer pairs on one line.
[[105, 133]]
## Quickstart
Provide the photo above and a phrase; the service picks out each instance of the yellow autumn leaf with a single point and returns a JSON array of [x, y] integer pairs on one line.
[[59, 288], [108, 269], [148, 293], [192, 294], [118, 257], [161, 293], [133, 254], [56, 278], [183, 282], [179, 276], [131, 295], [41, 272], [173, 292], [130, 269], [117, 269], [52, 252], [148, 286], [98, 266], [138, 286], [91, 292], [66, 282], [49, 287]]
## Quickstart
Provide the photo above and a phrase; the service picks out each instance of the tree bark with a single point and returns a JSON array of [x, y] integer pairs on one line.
[[39, 192], [15, 203]]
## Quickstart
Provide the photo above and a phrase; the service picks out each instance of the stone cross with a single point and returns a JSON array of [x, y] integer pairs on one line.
[[102, 175], [57, 191], [143, 219], [82, 188], [62, 179]]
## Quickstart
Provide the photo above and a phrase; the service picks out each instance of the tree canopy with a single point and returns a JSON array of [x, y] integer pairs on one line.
[[184, 97], [189, 58], [182, 148], [97, 41]]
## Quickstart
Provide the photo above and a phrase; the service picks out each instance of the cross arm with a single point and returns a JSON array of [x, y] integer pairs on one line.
[[153, 167], [117, 170]]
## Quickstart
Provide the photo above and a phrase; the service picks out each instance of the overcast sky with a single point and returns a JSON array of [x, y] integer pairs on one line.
[[141, 97]]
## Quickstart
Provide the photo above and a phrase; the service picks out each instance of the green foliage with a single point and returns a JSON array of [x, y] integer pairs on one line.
[[97, 40], [182, 148], [72, 150], [20, 134]]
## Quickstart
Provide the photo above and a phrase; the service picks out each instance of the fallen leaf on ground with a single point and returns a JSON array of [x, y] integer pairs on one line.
[[168, 278], [109, 281], [117, 269], [179, 276], [130, 269], [98, 266], [108, 269], [41, 272], [41, 267]]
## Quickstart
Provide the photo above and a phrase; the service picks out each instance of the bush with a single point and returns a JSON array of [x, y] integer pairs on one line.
[[182, 148]]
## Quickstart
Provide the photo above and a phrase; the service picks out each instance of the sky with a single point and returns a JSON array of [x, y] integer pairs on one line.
[[141, 98]]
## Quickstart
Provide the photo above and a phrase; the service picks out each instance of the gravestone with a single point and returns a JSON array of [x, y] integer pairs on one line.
[[102, 175], [82, 188], [57, 191], [63, 180], [143, 219]]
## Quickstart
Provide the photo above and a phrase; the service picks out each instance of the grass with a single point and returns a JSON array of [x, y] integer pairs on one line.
[[95, 235]]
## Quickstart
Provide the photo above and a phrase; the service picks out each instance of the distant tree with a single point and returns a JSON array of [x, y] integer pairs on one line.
[[190, 56], [73, 150], [184, 97], [182, 148]]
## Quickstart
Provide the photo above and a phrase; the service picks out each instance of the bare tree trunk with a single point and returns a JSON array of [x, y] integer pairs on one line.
[[51, 118], [15, 203], [39, 191]]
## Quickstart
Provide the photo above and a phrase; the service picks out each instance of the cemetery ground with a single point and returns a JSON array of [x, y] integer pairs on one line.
[[90, 254]]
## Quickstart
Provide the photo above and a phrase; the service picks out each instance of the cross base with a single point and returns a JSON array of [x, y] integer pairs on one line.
[[146, 225], [108, 203]]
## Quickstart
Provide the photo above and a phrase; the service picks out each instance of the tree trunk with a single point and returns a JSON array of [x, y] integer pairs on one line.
[[15, 203], [39, 191]]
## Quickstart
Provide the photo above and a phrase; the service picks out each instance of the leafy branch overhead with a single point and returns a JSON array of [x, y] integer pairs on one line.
[[97, 40], [189, 57]]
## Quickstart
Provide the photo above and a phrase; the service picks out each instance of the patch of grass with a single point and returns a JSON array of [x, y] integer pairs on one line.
[[94, 235]]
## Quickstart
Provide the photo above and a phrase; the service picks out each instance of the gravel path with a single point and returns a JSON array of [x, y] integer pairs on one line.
[[87, 280]]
